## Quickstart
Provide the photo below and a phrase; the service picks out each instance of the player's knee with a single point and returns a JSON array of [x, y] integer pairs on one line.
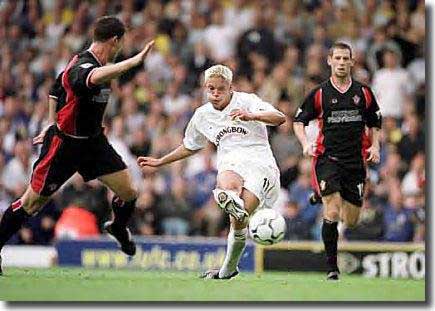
[[32, 205], [350, 222], [332, 215], [128, 194], [230, 185], [228, 181]]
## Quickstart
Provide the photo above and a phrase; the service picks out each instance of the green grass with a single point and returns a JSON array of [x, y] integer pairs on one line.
[[76, 284]]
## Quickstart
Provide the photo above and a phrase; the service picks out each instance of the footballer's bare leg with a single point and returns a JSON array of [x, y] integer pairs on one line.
[[237, 236], [229, 186], [332, 204], [121, 184], [32, 201], [17, 213], [236, 240], [123, 205], [349, 214]]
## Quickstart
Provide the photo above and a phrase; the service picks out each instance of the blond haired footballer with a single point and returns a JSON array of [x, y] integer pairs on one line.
[[248, 176]]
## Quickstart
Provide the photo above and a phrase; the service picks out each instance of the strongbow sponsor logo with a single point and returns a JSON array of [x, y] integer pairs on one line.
[[230, 130]]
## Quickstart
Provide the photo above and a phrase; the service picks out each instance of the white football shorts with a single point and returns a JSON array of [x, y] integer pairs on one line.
[[260, 179]]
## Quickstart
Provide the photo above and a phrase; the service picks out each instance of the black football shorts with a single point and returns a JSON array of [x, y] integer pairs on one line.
[[330, 175], [61, 156]]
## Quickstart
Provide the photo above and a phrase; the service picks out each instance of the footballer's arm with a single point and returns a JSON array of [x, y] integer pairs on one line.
[[108, 72], [51, 110], [299, 129], [273, 118], [374, 150], [51, 120], [179, 153]]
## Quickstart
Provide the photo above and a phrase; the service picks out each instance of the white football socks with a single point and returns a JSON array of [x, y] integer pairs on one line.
[[235, 247]]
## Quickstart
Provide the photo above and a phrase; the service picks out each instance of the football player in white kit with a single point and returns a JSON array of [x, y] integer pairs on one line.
[[248, 176]]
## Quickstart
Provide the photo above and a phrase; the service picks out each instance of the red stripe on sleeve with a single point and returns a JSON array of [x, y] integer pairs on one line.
[[319, 111], [16, 205], [66, 116], [367, 96]]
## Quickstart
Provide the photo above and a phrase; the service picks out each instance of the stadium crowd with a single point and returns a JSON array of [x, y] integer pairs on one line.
[[276, 49]]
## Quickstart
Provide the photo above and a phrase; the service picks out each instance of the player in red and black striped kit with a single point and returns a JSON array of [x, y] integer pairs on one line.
[[349, 123], [76, 142]]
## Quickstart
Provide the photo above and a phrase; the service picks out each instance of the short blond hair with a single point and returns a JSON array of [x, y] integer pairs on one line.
[[219, 70]]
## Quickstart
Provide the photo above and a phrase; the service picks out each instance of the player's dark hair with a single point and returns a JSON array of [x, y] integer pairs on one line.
[[340, 45], [107, 27]]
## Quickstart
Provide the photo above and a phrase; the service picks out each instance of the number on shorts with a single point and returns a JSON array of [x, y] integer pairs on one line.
[[360, 187], [267, 186]]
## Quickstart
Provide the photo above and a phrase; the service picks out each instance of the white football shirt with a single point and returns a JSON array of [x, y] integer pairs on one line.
[[235, 140]]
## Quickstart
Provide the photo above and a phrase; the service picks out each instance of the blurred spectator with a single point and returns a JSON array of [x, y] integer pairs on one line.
[[202, 183], [276, 86], [380, 42], [39, 229], [144, 221], [416, 70], [370, 224], [76, 222], [16, 173], [413, 182], [140, 144], [219, 37], [117, 138], [175, 210], [296, 226], [287, 151], [208, 220], [397, 220], [392, 77], [197, 63], [413, 141], [257, 43], [299, 192], [391, 132], [90, 198], [239, 15]]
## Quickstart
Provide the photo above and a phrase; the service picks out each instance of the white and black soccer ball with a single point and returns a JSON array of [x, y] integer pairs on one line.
[[266, 226]]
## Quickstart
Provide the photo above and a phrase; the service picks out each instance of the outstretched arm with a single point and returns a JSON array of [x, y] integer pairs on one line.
[[179, 153], [106, 73], [273, 118]]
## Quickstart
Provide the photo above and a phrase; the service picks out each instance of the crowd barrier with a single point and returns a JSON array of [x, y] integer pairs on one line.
[[152, 253], [394, 260]]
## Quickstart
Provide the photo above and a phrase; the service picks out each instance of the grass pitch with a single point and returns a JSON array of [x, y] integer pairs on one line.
[[77, 284]]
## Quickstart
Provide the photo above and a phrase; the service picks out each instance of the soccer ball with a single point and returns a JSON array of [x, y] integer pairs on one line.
[[266, 226]]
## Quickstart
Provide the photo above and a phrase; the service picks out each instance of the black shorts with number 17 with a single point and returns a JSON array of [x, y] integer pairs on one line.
[[330, 175], [61, 156]]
